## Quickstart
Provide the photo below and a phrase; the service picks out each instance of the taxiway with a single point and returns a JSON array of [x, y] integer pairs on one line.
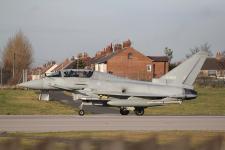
[[61, 123]]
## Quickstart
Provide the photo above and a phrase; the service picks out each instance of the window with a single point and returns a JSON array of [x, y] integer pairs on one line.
[[72, 73], [212, 73], [76, 73], [55, 74], [129, 56], [149, 68]]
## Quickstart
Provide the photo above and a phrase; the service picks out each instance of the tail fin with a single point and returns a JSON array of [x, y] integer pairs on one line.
[[186, 73]]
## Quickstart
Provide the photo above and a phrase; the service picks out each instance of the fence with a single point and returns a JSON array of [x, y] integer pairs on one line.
[[210, 82], [7, 79], [184, 143]]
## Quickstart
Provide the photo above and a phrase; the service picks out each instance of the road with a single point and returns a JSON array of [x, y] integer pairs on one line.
[[59, 123]]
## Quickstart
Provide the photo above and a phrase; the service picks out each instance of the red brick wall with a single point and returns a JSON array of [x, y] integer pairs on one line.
[[134, 68], [160, 68]]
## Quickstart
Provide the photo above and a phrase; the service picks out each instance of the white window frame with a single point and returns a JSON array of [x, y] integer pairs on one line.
[[129, 56], [149, 68]]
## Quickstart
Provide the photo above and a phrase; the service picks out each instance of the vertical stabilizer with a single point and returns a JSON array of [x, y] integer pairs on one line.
[[186, 72]]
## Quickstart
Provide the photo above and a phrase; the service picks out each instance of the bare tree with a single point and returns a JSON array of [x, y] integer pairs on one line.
[[1, 68], [169, 53], [205, 47], [17, 55]]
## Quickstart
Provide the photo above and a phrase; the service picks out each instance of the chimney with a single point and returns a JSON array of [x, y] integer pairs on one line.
[[127, 44], [117, 47], [108, 50], [85, 54], [218, 55], [111, 47], [98, 54], [53, 62], [104, 52]]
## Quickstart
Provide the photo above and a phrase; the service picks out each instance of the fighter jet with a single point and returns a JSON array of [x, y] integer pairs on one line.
[[107, 90]]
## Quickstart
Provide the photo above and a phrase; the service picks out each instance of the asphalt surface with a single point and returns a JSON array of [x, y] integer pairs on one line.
[[59, 123]]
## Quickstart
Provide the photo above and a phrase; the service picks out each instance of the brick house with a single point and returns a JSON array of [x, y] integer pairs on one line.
[[66, 64], [214, 67], [123, 60], [39, 72], [160, 65]]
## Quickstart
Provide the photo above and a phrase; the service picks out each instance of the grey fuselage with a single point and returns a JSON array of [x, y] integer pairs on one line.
[[113, 86]]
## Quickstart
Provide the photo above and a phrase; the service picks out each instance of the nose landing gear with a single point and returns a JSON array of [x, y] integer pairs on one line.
[[81, 112]]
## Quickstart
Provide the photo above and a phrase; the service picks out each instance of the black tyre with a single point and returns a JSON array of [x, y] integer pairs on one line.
[[124, 111], [81, 112], [139, 111]]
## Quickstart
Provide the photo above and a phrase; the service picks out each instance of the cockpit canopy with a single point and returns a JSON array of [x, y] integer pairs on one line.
[[80, 73]]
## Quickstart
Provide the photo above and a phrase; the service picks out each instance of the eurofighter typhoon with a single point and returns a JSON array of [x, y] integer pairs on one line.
[[107, 90]]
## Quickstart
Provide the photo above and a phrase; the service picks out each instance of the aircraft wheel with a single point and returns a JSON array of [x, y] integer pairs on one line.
[[124, 111], [139, 111], [81, 112]]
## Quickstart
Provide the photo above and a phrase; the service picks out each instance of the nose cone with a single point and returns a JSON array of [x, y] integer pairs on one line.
[[34, 84]]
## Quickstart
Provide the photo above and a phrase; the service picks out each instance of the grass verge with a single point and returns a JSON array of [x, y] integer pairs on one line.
[[23, 102], [210, 101]]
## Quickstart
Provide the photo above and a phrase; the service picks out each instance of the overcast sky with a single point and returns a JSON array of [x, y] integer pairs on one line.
[[58, 29]]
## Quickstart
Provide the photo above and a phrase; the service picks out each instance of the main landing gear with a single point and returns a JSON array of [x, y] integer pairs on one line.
[[139, 111], [124, 111]]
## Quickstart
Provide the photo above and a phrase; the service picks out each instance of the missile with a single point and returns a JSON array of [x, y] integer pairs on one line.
[[141, 102]]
